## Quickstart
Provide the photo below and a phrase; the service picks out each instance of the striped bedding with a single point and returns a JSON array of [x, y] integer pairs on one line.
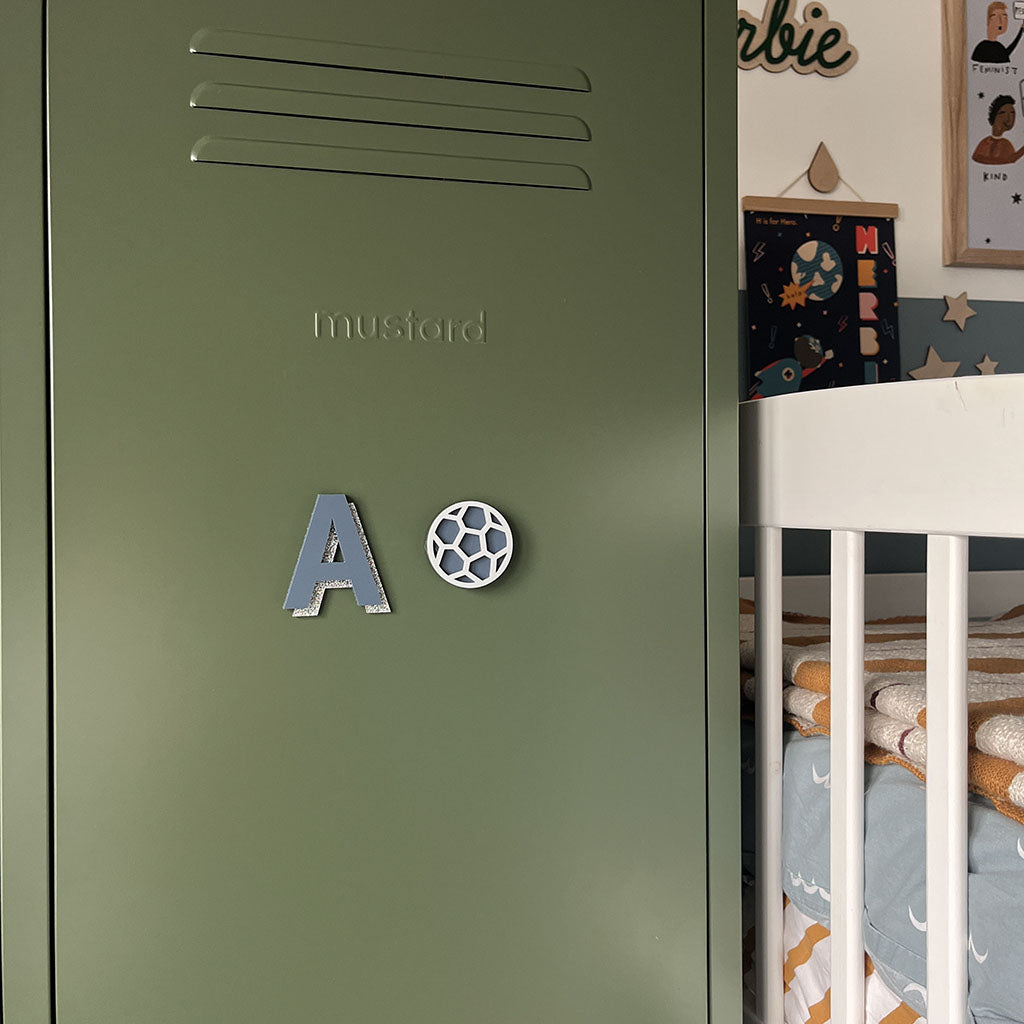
[[895, 716], [895, 929], [806, 982]]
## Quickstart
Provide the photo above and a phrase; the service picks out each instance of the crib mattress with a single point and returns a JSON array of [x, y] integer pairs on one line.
[[894, 917]]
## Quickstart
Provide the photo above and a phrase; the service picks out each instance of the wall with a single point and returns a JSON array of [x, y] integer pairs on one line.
[[882, 122]]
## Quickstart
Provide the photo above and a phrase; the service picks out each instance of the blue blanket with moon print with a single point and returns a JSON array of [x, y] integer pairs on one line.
[[895, 919]]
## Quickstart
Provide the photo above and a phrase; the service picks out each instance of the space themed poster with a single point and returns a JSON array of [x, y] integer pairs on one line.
[[821, 296]]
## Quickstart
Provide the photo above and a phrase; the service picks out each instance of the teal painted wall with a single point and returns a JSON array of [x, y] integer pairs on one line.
[[996, 331]]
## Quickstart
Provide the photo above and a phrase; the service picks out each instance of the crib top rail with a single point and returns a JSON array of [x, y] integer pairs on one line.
[[933, 456]]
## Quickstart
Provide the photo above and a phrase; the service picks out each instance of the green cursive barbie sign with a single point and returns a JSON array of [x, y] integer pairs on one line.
[[777, 41]]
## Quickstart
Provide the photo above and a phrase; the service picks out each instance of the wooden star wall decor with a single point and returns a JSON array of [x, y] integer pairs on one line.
[[957, 309], [935, 366]]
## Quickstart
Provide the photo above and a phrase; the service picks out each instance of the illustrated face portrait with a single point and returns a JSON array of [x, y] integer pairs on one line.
[[999, 20], [1005, 119]]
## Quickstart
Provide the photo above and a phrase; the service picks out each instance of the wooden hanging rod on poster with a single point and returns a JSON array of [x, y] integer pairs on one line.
[[838, 208]]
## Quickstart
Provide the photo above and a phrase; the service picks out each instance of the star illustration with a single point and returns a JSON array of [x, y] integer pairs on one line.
[[987, 365], [934, 367], [794, 295], [1016, 198], [981, 95], [957, 310]]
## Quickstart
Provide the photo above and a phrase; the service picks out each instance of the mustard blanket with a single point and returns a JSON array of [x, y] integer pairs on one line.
[[895, 709]]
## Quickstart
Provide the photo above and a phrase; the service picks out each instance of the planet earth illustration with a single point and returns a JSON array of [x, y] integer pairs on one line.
[[817, 266]]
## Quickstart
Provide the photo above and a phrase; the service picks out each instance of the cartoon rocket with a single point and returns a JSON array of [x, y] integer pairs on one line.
[[779, 378], [785, 376]]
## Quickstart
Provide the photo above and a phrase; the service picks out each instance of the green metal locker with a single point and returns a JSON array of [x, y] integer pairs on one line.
[[415, 255]]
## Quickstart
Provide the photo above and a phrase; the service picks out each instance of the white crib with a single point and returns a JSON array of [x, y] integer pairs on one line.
[[943, 458]]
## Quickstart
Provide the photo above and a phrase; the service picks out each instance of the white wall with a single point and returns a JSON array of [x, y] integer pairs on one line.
[[882, 122]]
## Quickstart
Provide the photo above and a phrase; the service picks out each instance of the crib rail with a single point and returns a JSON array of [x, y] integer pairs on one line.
[[929, 457], [768, 755], [946, 797], [846, 813], [946, 787], [920, 458]]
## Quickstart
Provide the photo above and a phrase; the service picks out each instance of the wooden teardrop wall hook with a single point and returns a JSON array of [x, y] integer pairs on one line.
[[823, 173]]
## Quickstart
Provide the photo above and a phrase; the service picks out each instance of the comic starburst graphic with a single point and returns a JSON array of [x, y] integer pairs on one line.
[[794, 295]]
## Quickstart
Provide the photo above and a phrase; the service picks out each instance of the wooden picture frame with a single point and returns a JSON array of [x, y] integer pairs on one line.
[[983, 176]]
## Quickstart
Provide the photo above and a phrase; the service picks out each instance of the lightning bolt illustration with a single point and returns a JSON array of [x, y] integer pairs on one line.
[[844, 322], [758, 251], [888, 329], [887, 249]]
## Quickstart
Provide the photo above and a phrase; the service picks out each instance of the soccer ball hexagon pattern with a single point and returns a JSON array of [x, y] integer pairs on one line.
[[469, 544]]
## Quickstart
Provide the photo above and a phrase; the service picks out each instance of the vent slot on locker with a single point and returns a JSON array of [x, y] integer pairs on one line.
[[389, 163], [463, 124], [357, 56], [382, 110]]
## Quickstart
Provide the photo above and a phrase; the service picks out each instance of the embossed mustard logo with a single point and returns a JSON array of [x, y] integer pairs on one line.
[[395, 327]]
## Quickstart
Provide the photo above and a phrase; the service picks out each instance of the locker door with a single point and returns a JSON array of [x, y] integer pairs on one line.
[[487, 805]]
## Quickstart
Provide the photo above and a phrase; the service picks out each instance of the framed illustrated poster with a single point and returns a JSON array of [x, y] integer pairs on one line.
[[983, 75], [821, 294]]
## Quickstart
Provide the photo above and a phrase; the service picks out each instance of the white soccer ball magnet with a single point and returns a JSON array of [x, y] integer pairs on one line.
[[469, 544]]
